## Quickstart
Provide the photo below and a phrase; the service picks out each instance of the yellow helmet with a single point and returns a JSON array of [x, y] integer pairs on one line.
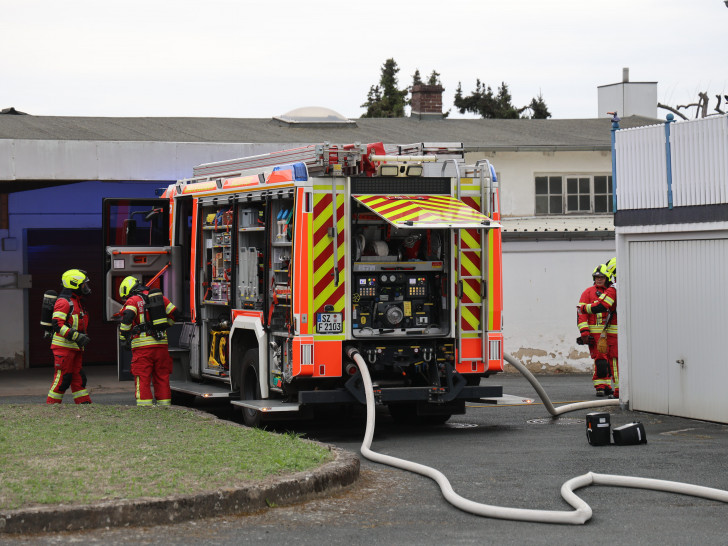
[[600, 270], [127, 285], [76, 280], [612, 269]]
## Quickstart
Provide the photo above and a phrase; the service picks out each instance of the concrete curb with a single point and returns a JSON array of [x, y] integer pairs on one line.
[[341, 472]]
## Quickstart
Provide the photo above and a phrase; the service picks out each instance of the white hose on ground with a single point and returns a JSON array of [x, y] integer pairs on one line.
[[582, 511], [545, 398]]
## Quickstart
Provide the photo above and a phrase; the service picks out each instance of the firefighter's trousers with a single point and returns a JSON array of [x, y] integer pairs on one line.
[[151, 366], [68, 373]]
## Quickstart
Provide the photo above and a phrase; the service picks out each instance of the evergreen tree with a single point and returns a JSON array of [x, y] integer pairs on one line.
[[434, 79], [416, 79], [486, 104], [504, 106], [538, 108], [481, 101], [386, 100]]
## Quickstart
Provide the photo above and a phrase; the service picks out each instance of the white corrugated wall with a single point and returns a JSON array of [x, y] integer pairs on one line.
[[641, 168], [700, 161]]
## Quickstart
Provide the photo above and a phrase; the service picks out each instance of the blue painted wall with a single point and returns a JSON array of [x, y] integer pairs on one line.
[[72, 205]]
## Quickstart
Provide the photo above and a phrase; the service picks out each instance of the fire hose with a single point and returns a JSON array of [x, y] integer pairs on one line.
[[582, 511]]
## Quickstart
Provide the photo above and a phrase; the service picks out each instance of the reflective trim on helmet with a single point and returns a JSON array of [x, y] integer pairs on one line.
[[127, 285], [74, 278]]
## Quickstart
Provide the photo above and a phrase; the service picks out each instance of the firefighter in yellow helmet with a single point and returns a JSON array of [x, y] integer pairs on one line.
[[146, 315], [612, 270], [69, 324], [595, 306]]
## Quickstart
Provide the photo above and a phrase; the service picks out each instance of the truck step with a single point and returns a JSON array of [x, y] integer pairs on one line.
[[268, 406], [200, 389], [507, 400]]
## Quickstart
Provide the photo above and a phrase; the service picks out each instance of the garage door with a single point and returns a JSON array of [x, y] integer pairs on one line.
[[677, 301]]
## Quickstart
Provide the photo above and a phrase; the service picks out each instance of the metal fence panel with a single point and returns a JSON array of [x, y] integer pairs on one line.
[[700, 161], [641, 168]]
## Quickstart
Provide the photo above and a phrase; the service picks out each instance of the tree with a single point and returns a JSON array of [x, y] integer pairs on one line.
[[386, 100], [538, 108], [701, 107], [483, 102], [416, 79]]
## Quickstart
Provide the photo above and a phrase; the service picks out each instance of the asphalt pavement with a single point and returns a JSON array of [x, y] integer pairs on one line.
[[33, 382], [512, 455]]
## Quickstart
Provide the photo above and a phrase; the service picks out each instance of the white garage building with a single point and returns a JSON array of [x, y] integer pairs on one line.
[[672, 249]]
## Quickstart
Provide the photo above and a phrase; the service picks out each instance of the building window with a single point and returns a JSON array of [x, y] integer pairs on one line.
[[603, 193], [573, 194]]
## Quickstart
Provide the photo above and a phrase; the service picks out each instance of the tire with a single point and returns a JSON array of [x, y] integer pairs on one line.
[[250, 388]]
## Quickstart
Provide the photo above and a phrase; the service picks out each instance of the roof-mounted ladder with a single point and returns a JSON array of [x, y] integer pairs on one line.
[[315, 157]]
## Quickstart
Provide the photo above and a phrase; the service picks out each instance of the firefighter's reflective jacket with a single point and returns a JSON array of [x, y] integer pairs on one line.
[[596, 303], [135, 322], [69, 320]]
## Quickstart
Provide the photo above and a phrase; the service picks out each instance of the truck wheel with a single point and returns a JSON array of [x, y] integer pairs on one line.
[[250, 388]]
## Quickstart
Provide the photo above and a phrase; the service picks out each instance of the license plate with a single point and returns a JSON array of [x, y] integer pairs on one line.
[[329, 323]]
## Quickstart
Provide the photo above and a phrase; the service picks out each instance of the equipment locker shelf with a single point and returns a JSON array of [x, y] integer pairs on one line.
[[218, 239]]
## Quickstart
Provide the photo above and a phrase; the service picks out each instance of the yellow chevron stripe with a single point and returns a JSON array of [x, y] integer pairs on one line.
[[324, 295], [341, 304], [471, 319], [468, 240], [324, 271], [469, 263], [446, 207], [491, 272], [470, 293], [323, 218]]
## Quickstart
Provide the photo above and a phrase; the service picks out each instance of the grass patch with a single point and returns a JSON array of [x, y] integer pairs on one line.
[[51, 454]]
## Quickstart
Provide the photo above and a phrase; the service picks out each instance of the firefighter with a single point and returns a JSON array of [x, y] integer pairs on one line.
[[612, 271], [146, 315], [69, 325], [592, 310], [609, 303]]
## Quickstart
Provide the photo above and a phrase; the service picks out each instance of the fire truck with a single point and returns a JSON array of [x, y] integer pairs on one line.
[[283, 263]]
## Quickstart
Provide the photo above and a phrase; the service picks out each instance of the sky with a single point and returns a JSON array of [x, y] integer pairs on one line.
[[258, 59]]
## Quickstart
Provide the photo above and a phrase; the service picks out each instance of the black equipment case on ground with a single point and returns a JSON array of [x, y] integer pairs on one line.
[[597, 428], [630, 434]]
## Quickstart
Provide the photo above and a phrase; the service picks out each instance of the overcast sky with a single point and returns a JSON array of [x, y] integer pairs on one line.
[[251, 58]]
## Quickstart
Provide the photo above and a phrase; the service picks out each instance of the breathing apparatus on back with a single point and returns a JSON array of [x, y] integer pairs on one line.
[[156, 313]]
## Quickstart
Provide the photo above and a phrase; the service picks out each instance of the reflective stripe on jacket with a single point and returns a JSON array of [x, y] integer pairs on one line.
[[65, 325], [133, 315]]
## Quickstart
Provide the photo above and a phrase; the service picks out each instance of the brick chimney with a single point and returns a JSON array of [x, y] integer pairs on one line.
[[427, 101]]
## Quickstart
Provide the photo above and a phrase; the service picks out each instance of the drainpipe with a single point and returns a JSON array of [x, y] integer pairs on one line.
[[668, 158], [615, 128]]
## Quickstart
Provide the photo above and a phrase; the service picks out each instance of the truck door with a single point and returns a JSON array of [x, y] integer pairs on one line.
[[136, 238]]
